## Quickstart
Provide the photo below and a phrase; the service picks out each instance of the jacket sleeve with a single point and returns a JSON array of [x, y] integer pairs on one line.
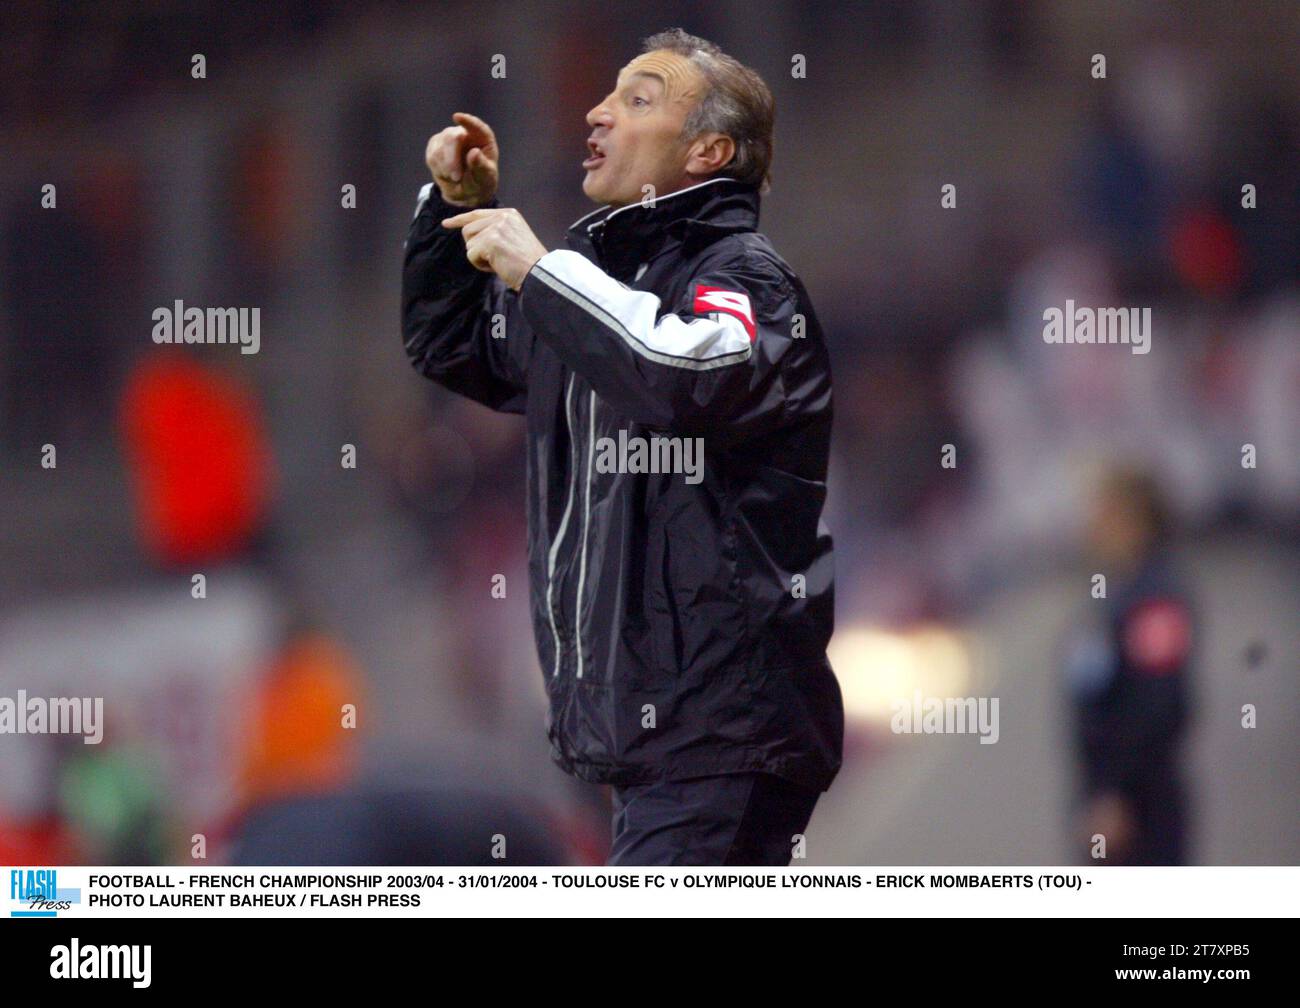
[[1138, 735], [460, 326], [716, 363]]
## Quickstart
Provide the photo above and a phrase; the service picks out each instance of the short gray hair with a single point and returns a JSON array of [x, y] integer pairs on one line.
[[737, 103]]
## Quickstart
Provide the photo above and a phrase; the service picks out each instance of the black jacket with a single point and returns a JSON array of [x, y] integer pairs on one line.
[[681, 618], [1129, 678]]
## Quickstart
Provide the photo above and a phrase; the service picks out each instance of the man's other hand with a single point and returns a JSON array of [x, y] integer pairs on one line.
[[499, 241]]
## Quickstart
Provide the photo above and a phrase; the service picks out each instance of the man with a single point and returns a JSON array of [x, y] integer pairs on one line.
[[1128, 673], [681, 618]]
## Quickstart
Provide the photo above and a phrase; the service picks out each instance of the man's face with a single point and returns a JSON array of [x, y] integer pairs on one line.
[[636, 137], [1118, 533]]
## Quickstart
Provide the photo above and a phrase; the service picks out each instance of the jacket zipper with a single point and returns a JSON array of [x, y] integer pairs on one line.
[[586, 522], [564, 522]]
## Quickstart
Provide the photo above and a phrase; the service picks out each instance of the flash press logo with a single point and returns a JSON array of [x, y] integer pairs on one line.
[[75, 961], [37, 893]]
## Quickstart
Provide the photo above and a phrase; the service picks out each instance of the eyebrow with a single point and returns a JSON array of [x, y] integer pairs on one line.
[[644, 73]]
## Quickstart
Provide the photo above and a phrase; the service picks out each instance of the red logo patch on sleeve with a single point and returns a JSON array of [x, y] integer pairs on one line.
[[1158, 637], [718, 299]]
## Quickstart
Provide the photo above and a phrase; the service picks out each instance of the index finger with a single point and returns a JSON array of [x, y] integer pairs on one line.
[[468, 217], [479, 131]]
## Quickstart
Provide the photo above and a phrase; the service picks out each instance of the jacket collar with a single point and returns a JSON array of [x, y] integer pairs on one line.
[[623, 237]]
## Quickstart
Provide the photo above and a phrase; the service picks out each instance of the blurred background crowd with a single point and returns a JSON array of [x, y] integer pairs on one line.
[[328, 585]]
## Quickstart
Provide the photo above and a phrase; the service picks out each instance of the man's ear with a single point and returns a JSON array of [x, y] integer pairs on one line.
[[710, 153]]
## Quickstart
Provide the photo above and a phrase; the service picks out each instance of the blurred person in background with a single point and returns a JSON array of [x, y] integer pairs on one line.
[[299, 752], [37, 830], [681, 624], [114, 796], [1128, 678], [306, 801]]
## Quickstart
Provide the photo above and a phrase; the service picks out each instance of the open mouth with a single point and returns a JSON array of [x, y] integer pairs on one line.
[[597, 156]]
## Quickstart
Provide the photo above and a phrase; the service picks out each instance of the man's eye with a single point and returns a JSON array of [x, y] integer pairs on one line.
[[638, 100]]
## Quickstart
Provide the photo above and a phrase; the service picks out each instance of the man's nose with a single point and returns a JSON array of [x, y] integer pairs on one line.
[[600, 116]]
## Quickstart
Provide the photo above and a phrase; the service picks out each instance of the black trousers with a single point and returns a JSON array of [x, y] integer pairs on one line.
[[1161, 827], [731, 819]]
